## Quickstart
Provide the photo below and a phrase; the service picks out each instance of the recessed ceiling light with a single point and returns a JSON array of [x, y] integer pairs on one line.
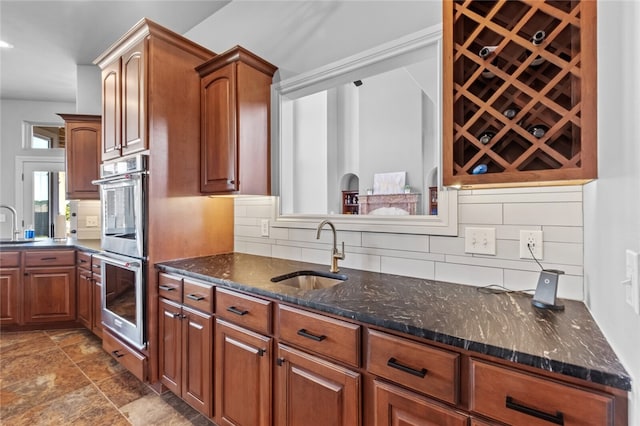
[[5, 45]]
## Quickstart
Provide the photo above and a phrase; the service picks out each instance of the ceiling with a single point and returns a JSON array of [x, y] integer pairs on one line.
[[51, 37]]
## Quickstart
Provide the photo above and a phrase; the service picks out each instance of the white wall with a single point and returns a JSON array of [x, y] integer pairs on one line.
[[612, 203], [88, 90], [12, 115], [609, 213]]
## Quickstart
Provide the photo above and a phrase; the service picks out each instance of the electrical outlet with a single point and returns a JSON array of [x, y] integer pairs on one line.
[[532, 239], [264, 227], [480, 240], [91, 221], [633, 276]]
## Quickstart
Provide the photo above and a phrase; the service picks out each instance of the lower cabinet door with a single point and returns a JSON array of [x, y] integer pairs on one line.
[[170, 345], [311, 391], [50, 294], [197, 360], [9, 302], [243, 376], [85, 298], [396, 406]]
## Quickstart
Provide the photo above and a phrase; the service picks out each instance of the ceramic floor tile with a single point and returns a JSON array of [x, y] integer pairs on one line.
[[83, 348], [18, 368], [100, 366], [16, 345], [153, 410], [20, 396], [179, 405], [73, 336], [123, 388], [82, 406]]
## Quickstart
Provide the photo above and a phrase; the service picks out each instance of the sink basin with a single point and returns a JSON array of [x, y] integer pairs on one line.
[[310, 280]]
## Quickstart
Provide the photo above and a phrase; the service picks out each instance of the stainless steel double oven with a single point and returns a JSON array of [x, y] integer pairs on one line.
[[123, 200]]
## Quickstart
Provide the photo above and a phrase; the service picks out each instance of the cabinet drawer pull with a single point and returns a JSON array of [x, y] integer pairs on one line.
[[166, 288], [236, 311], [117, 354], [558, 419], [48, 258], [304, 333], [195, 297], [83, 261], [393, 363]]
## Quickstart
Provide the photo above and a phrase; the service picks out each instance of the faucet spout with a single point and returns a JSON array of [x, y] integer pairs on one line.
[[14, 222], [335, 254]]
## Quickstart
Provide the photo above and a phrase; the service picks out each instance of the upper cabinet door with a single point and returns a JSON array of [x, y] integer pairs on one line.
[[235, 98], [133, 100], [218, 151], [519, 93], [111, 111], [82, 155]]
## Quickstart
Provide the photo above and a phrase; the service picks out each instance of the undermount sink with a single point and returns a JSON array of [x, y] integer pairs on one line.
[[310, 280]]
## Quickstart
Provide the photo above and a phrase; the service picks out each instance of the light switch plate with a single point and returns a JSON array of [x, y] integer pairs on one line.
[[480, 240], [264, 228]]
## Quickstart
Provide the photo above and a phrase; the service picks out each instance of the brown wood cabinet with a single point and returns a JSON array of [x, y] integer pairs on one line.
[[89, 294], [49, 286], [151, 102], [83, 145], [243, 362], [186, 353], [235, 107], [311, 391], [519, 93], [123, 103], [10, 288], [397, 406]]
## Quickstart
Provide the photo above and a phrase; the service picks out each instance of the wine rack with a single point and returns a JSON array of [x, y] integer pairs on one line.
[[519, 92]]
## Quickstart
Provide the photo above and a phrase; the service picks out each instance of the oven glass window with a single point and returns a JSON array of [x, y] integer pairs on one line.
[[119, 214], [120, 292]]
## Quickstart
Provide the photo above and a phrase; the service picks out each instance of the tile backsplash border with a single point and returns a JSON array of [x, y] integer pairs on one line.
[[557, 211]]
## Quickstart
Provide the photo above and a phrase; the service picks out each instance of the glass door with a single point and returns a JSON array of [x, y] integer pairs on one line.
[[44, 196]]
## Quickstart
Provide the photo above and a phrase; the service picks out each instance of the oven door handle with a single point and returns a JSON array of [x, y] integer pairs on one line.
[[117, 179], [118, 262]]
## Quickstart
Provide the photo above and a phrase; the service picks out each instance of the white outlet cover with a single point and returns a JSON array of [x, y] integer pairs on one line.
[[531, 236], [480, 240], [91, 221]]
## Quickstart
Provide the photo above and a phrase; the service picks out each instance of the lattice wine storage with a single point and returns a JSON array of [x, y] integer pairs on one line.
[[519, 92]]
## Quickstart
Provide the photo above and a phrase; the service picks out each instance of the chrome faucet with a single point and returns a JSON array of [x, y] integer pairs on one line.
[[14, 224], [335, 254]]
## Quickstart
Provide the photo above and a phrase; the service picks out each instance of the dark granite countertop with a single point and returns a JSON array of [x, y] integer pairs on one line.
[[503, 325], [50, 243]]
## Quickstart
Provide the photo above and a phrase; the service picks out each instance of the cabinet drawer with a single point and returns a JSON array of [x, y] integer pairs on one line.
[[327, 336], [50, 258], [247, 311], [521, 398], [170, 287], [83, 260], [198, 295], [9, 259], [96, 265], [432, 371], [132, 360]]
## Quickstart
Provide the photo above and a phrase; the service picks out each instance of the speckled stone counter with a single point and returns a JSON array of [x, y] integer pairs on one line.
[[50, 243], [503, 325]]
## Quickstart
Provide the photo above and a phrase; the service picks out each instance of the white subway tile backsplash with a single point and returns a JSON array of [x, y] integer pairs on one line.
[[480, 213], [396, 241], [467, 274], [408, 267], [557, 211], [557, 214]]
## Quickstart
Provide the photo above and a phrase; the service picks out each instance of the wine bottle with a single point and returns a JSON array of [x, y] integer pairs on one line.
[[484, 53], [537, 39], [538, 130], [486, 137]]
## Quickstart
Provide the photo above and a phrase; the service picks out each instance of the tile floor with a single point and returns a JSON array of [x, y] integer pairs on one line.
[[63, 377]]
